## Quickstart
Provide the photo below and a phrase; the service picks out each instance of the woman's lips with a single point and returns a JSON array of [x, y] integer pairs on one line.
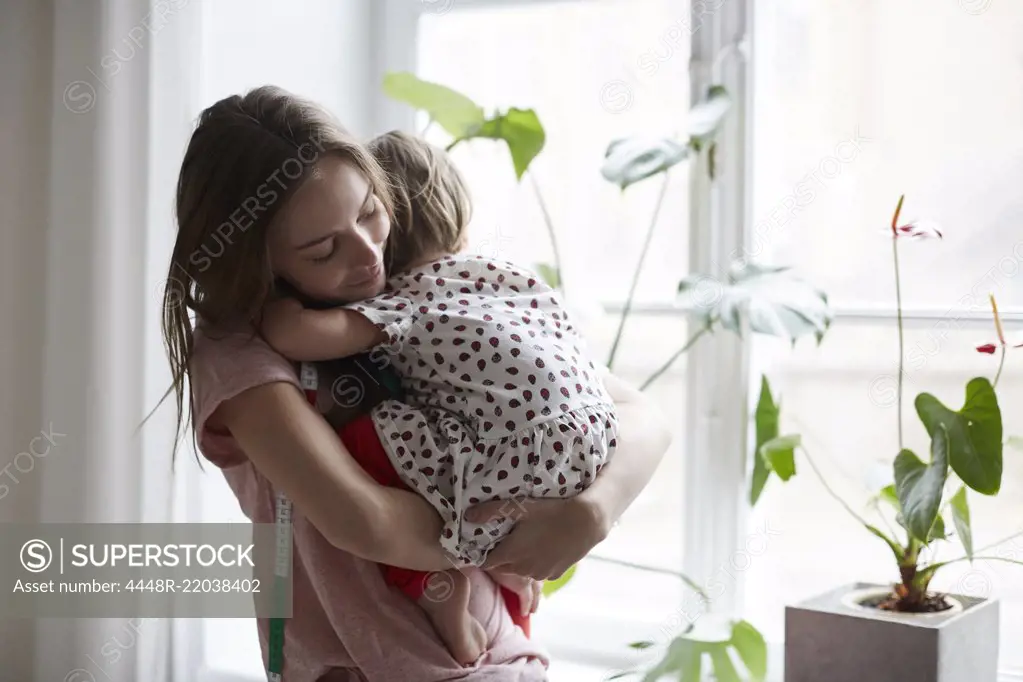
[[372, 274]]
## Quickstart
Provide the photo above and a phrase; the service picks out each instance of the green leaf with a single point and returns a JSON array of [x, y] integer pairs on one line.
[[961, 519], [752, 649], [892, 545], [974, 434], [706, 117], [724, 669], [766, 420], [889, 495], [629, 160], [453, 111], [522, 132], [919, 486], [780, 454], [771, 299], [640, 645], [550, 274], [717, 638], [552, 586], [938, 529]]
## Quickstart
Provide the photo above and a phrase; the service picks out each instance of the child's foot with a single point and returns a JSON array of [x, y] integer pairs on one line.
[[446, 602]]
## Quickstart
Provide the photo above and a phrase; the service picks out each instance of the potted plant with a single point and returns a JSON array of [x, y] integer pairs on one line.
[[905, 631]]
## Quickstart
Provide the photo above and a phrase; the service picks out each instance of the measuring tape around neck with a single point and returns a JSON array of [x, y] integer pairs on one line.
[[282, 556]]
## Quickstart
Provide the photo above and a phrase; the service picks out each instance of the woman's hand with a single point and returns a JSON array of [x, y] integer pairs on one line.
[[549, 535]]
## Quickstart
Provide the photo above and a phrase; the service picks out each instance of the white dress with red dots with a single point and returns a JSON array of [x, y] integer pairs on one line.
[[500, 398]]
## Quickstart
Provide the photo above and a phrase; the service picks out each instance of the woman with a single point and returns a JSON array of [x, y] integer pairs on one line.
[[274, 195]]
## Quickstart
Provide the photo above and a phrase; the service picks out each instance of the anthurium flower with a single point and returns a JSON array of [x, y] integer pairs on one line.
[[990, 348], [915, 229]]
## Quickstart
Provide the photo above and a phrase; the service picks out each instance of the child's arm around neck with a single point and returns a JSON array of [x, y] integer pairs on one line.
[[308, 335]]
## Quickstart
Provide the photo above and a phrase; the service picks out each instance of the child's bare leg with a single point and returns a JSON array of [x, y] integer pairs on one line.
[[446, 602], [527, 589]]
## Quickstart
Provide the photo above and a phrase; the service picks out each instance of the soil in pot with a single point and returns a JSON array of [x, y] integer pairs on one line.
[[930, 603]]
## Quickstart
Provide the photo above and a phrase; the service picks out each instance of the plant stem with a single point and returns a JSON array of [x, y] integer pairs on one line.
[[898, 303], [550, 231], [1001, 363], [831, 492], [667, 365], [1000, 542], [639, 266], [652, 569]]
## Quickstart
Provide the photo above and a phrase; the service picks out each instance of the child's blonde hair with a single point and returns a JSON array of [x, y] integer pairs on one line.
[[431, 201]]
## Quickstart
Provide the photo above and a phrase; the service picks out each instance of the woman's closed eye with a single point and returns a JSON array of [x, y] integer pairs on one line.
[[328, 255]]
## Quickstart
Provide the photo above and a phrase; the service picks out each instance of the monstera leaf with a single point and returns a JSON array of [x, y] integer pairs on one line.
[[715, 640], [772, 300], [974, 434], [453, 111], [706, 117], [629, 160], [919, 486]]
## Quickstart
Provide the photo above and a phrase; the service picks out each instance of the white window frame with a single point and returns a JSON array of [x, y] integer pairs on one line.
[[717, 378]]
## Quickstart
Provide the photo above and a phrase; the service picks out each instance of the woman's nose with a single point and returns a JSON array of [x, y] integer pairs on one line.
[[366, 250]]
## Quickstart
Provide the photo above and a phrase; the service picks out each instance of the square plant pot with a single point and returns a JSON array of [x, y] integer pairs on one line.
[[832, 638]]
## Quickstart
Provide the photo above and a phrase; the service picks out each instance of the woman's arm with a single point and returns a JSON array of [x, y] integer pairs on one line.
[[292, 445], [644, 438], [552, 535]]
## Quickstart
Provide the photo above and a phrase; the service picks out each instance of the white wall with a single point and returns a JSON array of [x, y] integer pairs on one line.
[[320, 49], [25, 79]]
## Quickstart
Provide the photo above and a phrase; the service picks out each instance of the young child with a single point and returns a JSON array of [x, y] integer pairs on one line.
[[500, 399]]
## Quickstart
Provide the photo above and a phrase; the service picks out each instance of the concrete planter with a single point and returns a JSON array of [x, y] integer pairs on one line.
[[832, 638]]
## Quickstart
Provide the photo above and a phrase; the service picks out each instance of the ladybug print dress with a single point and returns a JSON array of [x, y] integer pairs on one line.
[[500, 398]]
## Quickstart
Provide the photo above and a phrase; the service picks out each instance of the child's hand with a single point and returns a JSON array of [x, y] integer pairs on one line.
[[527, 589], [282, 320]]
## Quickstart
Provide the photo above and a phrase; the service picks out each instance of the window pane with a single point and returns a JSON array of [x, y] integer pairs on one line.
[[841, 398], [578, 65], [856, 103]]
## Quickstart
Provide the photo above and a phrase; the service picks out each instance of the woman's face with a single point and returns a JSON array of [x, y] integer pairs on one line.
[[329, 241]]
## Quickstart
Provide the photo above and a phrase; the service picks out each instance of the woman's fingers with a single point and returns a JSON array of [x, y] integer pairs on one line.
[[537, 592], [486, 512]]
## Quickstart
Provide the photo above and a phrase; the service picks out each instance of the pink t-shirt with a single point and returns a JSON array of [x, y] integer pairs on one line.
[[344, 617]]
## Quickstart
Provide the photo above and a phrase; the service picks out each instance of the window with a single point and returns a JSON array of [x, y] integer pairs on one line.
[[854, 106], [578, 64], [851, 107]]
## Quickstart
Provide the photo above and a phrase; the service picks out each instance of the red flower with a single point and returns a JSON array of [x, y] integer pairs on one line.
[[990, 348], [915, 229]]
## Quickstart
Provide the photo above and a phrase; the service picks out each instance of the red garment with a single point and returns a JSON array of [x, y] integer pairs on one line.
[[360, 437]]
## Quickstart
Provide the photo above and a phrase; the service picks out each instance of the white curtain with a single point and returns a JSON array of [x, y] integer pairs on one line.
[[90, 151]]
